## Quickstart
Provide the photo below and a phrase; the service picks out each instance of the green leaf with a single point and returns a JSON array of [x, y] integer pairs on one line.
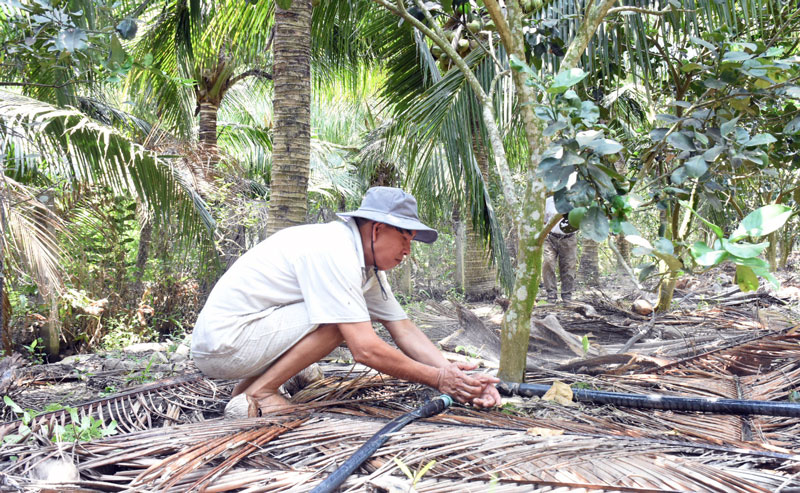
[[586, 137], [556, 177], [117, 55], [518, 65], [679, 175], [793, 126], [736, 56], [672, 262], [760, 139], [12, 439], [754, 263], [681, 141], [605, 146], [762, 221], [712, 154], [657, 134], [427, 467], [403, 467], [728, 126], [71, 40], [766, 274], [705, 256], [689, 67], [637, 240], [716, 229], [629, 229], [13, 405], [585, 343], [566, 79], [710, 47], [744, 250], [664, 246], [554, 127], [645, 271], [590, 113], [284, 4], [714, 84], [595, 224], [746, 278], [575, 216], [696, 166]]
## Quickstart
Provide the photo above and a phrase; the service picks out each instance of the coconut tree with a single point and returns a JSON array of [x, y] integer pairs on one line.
[[292, 103], [513, 27], [68, 55], [190, 55], [64, 146]]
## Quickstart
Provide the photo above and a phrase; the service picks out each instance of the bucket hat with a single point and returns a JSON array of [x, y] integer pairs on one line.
[[394, 207]]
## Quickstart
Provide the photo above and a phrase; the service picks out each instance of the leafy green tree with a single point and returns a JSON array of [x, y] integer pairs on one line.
[[580, 160]]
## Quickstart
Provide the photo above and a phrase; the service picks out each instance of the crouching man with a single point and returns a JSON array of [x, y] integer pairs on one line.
[[293, 298]]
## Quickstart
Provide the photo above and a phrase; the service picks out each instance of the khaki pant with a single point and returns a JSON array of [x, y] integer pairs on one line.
[[261, 342], [559, 250]]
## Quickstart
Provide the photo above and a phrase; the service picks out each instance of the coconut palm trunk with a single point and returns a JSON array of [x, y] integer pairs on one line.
[[291, 152], [479, 275], [207, 133], [589, 268]]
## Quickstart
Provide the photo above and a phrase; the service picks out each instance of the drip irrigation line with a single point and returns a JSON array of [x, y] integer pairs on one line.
[[430, 408], [712, 405]]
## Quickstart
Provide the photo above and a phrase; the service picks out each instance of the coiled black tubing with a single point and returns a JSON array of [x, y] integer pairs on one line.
[[430, 408]]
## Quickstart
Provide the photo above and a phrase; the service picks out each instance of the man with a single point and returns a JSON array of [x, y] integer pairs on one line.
[[296, 296], [560, 248]]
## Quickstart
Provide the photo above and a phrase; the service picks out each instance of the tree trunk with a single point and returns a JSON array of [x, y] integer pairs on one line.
[[401, 278], [8, 345], [291, 152], [589, 269], [624, 258], [479, 275], [772, 251], [787, 242], [143, 253], [458, 230], [208, 123], [529, 220], [51, 330]]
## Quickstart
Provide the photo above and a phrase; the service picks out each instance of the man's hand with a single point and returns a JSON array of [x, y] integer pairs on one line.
[[489, 397], [476, 389]]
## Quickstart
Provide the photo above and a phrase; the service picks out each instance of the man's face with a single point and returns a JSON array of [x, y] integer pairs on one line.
[[391, 245]]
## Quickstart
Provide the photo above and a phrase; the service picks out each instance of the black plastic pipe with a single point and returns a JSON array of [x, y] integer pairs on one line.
[[430, 408], [656, 401]]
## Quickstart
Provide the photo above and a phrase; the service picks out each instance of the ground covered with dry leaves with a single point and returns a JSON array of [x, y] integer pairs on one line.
[[168, 434]]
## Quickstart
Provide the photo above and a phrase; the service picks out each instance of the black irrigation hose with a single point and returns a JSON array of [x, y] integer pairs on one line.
[[430, 408], [656, 401]]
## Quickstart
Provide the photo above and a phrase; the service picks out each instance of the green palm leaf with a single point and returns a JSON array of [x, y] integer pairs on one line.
[[76, 149]]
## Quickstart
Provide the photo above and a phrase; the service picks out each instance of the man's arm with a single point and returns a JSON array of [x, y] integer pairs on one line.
[[414, 342], [370, 350], [418, 346]]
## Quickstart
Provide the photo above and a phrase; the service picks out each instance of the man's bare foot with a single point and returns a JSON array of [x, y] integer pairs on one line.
[[241, 406], [272, 402]]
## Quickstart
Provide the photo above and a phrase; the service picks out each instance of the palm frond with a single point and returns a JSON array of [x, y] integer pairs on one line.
[[30, 228], [74, 148]]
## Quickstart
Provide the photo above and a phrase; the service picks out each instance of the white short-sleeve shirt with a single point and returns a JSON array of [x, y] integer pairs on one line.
[[321, 265]]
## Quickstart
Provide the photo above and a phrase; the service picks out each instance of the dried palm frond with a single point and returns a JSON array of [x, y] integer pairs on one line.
[[286, 455], [173, 400]]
